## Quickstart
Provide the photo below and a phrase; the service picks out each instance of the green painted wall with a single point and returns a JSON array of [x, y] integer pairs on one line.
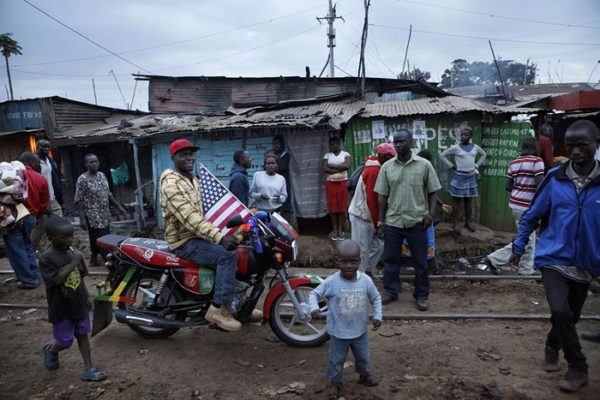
[[502, 143], [437, 133]]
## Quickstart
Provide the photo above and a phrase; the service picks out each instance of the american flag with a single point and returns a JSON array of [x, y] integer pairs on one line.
[[218, 203]]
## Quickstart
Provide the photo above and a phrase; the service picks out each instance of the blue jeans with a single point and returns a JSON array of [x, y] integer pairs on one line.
[[209, 254], [416, 237], [20, 252], [338, 349]]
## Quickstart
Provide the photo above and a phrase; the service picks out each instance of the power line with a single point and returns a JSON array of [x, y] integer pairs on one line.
[[535, 21], [51, 74], [176, 42], [371, 40], [343, 71], [87, 38], [485, 38], [240, 52]]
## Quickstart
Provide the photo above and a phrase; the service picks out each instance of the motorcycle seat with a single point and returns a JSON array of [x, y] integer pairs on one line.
[[153, 252]]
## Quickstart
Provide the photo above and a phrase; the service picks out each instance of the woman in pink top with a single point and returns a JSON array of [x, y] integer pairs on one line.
[[335, 165]]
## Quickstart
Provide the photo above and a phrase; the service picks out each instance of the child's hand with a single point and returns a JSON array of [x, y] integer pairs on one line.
[[315, 314], [77, 256], [447, 208], [376, 324]]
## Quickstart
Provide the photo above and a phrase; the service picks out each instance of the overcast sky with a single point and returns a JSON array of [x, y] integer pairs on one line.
[[280, 37]]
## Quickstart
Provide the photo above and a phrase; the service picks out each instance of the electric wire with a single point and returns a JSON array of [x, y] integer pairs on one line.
[[87, 38], [535, 21], [484, 38], [239, 52], [342, 70], [209, 35]]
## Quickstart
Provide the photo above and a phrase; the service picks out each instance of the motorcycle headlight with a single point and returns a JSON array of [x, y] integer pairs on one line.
[[295, 249]]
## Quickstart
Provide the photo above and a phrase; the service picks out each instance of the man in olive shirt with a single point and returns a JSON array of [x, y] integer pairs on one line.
[[407, 186]]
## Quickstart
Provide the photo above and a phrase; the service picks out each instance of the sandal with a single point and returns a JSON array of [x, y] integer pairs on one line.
[[92, 375], [367, 380], [50, 358]]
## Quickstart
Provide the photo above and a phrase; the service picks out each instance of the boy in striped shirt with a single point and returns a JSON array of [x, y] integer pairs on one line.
[[523, 177]]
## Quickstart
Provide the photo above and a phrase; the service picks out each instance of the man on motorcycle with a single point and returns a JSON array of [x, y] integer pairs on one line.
[[192, 237]]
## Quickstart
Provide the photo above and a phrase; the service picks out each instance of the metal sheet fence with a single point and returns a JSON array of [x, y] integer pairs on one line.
[[502, 142]]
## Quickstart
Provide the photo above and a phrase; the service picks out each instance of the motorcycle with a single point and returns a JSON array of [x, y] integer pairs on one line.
[[157, 293]]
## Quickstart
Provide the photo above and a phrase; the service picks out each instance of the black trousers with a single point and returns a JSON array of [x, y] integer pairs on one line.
[[565, 298], [95, 234]]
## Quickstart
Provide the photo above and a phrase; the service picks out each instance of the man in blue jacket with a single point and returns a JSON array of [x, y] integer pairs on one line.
[[567, 206], [238, 183]]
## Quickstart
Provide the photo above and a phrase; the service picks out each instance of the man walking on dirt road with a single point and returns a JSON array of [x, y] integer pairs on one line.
[[567, 205]]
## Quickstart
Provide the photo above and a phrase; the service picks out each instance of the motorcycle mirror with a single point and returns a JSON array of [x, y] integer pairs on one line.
[[263, 216], [235, 221]]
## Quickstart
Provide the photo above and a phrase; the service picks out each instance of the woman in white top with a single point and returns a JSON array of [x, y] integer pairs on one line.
[[335, 165], [268, 187], [464, 179]]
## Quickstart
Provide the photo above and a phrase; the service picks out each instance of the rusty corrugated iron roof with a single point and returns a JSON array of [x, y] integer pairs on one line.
[[307, 114], [438, 105]]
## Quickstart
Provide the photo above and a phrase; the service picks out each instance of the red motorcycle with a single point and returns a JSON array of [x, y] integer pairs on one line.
[[157, 293]]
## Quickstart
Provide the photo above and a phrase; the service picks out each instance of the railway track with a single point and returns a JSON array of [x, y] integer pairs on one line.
[[391, 315]]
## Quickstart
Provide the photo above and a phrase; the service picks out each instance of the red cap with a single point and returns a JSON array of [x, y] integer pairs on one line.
[[182, 144], [385, 148]]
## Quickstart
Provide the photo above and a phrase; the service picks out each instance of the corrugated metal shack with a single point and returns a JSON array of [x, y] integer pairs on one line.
[[436, 125], [22, 122], [563, 110], [307, 126], [215, 94]]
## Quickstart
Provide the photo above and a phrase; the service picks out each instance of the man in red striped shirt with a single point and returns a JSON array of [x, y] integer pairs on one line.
[[523, 177]]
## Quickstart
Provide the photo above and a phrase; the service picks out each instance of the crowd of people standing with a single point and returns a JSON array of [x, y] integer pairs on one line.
[[395, 201]]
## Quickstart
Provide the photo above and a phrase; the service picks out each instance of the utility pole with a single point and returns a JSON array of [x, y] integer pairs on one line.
[[406, 51], [330, 18], [525, 75], [119, 87], [592, 73], [94, 87], [498, 69], [362, 73]]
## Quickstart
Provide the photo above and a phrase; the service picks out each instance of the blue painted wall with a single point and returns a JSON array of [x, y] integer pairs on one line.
[[16, 116], [216, 153]]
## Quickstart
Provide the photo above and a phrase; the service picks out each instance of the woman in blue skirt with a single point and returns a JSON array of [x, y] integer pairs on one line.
[[464, 179]]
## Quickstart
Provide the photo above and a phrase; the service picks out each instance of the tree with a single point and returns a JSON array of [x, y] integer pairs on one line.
[[415, 74], [9, 47], [464, 73]]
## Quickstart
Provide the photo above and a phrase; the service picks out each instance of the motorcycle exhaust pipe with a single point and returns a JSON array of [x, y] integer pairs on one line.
[[132, 318]]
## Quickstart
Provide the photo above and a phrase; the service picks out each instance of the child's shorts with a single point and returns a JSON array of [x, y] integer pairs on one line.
[[65, 331]]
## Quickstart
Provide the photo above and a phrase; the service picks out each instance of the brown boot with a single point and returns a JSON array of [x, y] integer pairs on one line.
[[222, 318]]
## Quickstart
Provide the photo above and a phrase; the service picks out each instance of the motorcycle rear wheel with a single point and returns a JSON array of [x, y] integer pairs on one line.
[[284, 320], [150, 282]]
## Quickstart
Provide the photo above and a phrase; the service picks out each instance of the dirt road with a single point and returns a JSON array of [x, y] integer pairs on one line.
[[412, 359]]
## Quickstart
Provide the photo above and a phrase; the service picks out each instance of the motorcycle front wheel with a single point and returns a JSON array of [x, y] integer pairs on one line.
[[143, 288], [286, 322]]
